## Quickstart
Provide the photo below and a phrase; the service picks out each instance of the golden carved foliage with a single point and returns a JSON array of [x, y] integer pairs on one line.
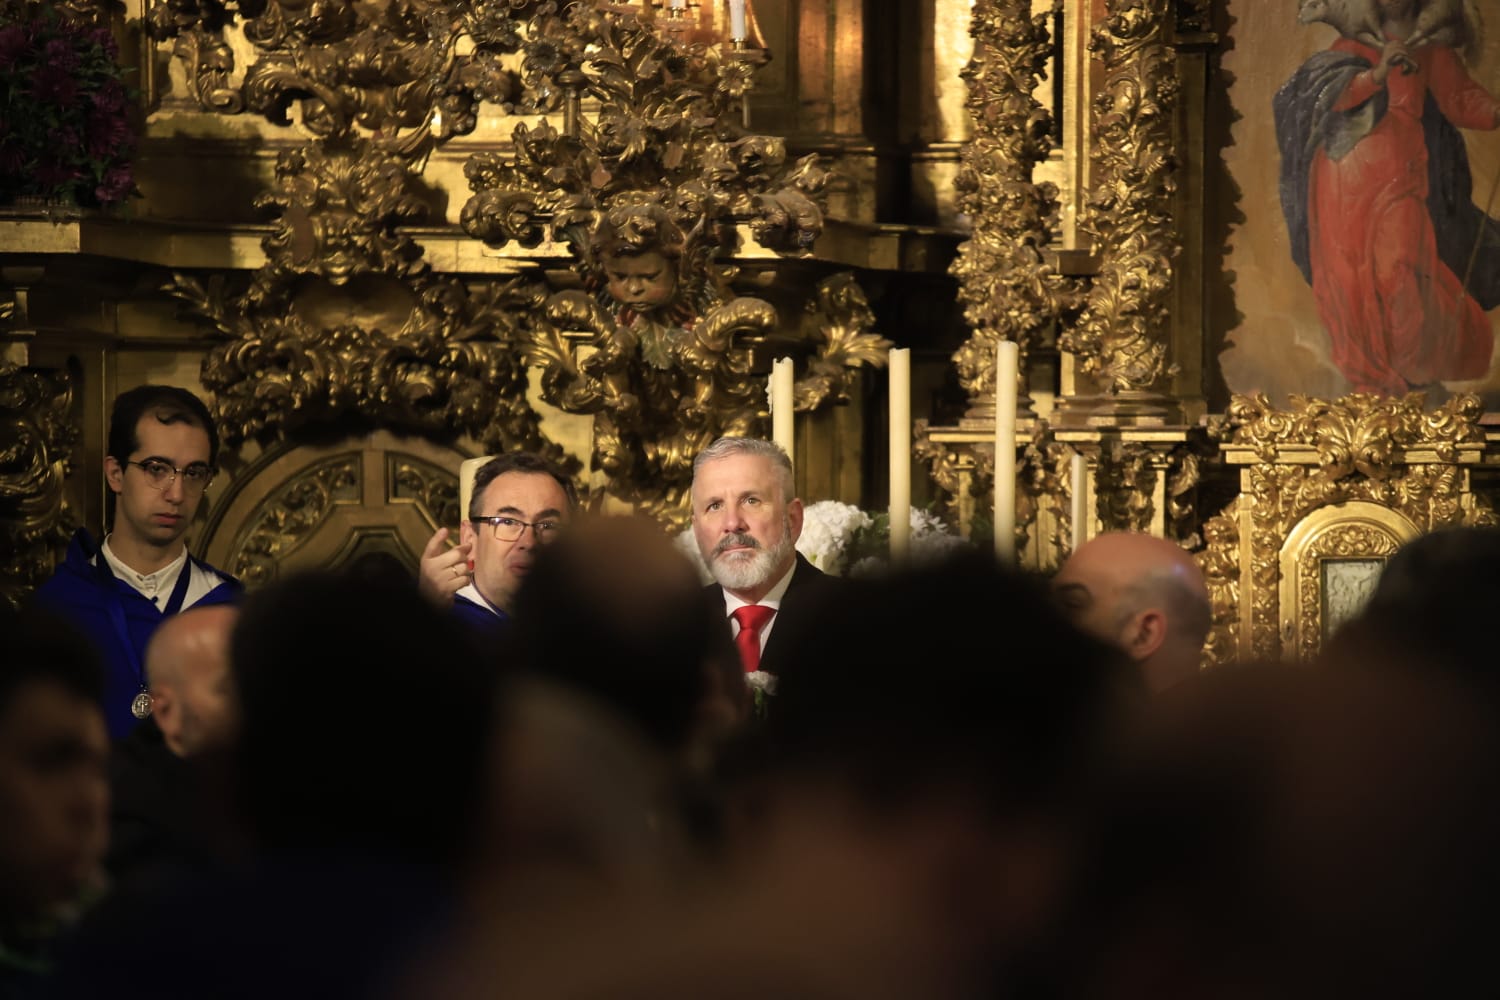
[[1357, 433], [1120, 337], [842, 326], [292, 514], [347, 319], [1323, 452], [397, 68], [37, 435], [1009, 289]]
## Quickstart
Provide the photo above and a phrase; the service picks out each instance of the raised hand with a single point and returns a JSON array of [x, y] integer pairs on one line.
[[444, 569]]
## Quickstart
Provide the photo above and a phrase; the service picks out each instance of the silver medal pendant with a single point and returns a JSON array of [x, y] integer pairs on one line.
[[141, 706]]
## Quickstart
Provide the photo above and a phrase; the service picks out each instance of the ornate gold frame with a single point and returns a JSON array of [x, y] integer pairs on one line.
[[1323, 478], [1352, 529]]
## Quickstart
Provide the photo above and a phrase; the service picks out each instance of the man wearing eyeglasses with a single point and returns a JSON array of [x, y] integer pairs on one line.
[[160, 457], [519, 503]]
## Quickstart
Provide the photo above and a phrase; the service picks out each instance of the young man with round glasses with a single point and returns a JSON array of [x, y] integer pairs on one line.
[[519, 503], [160, 457]]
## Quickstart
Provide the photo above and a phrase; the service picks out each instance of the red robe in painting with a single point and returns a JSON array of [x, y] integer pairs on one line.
[[1397, 315]]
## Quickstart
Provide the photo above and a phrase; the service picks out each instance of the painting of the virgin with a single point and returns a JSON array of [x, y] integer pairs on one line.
[[1378, 195]]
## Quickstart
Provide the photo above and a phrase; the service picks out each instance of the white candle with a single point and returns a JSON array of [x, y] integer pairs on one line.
[[737, 31], [900, 406], [679, 4], [1078, 498], [1007, 360], [783, 406]]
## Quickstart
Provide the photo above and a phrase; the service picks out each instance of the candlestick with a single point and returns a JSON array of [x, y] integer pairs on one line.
[[737, 30], [900, 457], [1007, 360], [783, 406]]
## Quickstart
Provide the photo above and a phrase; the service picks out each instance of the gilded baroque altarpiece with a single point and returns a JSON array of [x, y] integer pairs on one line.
[[385, 236]]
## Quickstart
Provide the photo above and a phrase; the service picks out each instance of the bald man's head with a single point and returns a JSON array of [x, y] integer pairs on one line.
[[187, 671], [1144, 594]]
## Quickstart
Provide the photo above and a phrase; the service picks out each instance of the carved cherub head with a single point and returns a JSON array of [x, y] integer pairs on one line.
[[638, 248]]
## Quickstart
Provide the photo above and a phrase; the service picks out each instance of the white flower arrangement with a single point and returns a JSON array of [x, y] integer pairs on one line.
[[828, 532], [842, 540]]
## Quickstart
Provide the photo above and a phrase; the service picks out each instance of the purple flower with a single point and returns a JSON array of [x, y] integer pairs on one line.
[[13, 44], [117, 183], [12, 161], [52, 173], [60, 53], [109, 99], [107, 135], [51, 84], [105, 39]]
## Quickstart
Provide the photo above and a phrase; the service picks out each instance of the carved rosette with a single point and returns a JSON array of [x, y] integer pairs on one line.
[[1383, 450], [37, 437], [1121, 338], [1009, 290]]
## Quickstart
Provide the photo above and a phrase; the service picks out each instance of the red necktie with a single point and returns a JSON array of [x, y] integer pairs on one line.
[[752, 618]]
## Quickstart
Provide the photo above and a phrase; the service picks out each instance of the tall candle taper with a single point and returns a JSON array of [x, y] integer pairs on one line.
[[737, 30], [1007, 359], [783, 405], [900, 406]]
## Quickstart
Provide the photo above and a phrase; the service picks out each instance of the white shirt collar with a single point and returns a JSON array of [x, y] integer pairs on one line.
[[771, 600], [472, 593], [149, 584]]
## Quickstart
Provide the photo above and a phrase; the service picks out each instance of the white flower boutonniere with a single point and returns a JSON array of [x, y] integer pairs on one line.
[[762, 689]]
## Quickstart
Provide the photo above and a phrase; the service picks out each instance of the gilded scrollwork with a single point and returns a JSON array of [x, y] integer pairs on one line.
[[291, 514], [1125, 482], [37, 435], [432, 488], [842, 327], [1120, 337], [1183, 477], [1046, 484], [1360, 433], [647, 195], [1220, 562], [347, 319], [1009, 289], [412, 72], [1381, 450], [946, 466]]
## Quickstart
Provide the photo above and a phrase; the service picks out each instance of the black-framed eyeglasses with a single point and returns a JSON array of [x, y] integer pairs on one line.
[[161, 475], [508, 529]]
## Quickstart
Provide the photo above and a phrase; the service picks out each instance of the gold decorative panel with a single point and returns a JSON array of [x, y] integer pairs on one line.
[[1010, 288], [1349, 478], [303, 507], [1354, 535], [37, 437]]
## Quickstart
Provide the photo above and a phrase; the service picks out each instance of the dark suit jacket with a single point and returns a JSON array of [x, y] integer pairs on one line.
[[800, 605]]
